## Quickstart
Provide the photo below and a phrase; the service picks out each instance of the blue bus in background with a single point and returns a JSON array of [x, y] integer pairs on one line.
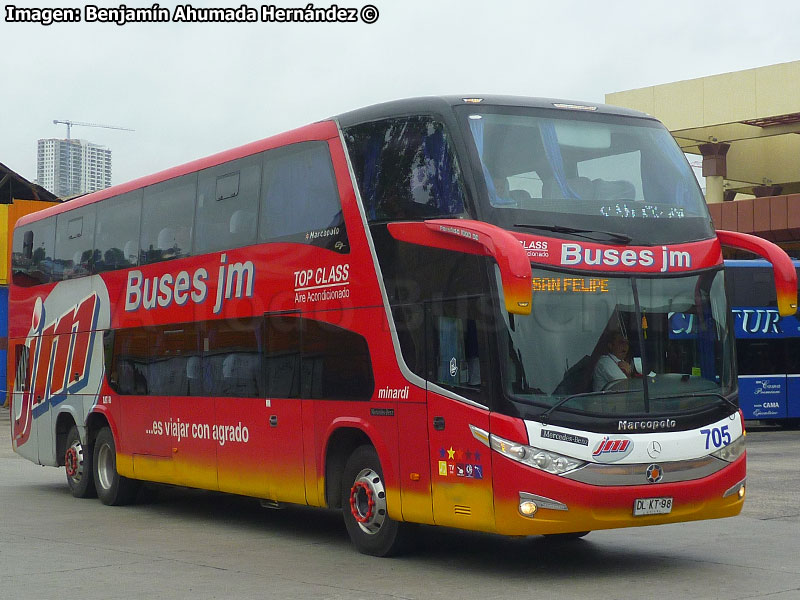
[[767, 345]]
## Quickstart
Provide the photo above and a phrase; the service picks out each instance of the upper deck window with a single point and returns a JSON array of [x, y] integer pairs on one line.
[[117, 232], [299, 197], [32, 253], [405, 169], [227, 205], [591, 171], [167, 215], [74, 252]]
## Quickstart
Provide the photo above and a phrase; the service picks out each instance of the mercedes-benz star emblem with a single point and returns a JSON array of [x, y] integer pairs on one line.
[[654, 449], [654, 473]]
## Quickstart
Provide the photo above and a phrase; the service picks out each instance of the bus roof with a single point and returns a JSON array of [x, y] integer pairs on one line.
[[443, 104], [327, 129]]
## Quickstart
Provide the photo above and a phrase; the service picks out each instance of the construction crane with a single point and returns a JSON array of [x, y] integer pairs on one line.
[[69, 124]]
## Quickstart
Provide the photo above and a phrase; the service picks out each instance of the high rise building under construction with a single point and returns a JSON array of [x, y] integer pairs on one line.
[[67, 167]]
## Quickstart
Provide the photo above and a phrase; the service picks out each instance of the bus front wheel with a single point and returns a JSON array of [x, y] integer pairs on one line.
[[78, 464], [112, 488], [366, 516]]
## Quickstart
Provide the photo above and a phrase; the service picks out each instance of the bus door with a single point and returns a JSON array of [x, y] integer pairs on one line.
[[456, 367], [258, 413], [283, 417]]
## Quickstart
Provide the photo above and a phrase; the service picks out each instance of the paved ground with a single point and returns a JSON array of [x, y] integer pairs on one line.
[[187, 544]]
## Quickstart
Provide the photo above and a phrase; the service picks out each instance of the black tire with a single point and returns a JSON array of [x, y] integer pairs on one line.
[[78, 465], [564, 537], [112, 488], [364, 506]]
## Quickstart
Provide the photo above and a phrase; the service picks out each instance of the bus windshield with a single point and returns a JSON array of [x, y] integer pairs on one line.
[[584, 170], [620, 346]]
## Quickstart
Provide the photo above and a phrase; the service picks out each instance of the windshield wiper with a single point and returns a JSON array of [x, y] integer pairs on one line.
[[697, 395], [566, 399], [613, 236], [544, 416]]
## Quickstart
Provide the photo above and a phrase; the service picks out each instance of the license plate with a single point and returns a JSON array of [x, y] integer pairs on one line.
[[652, 506]]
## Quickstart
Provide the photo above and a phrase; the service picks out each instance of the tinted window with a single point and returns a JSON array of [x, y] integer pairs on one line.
[[173, 350], [74, 243], [129, 360], [167, 214], [752, 286], [455, 357], [32, 253], [281, 356], [231, 364], [761, 357], [227, 205], [405, 169], [300, 199], [335, 363], [117, 232]]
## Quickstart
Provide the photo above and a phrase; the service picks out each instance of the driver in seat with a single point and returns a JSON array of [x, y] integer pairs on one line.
[[612, 365]]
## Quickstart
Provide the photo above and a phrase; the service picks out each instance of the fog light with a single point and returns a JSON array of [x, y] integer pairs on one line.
[[741, 492], [527, 508]]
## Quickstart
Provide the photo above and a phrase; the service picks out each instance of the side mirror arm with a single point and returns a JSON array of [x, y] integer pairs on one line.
[[482, 239], [782, 266]]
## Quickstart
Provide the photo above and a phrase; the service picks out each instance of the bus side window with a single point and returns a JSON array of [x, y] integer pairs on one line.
[[405, 169], [127, 360], [32, 253], [231, 364], [171, 348], [282, 356], [335, 363], [21, 383], [299, 197], [312, 359], [167, 217], [116, 244], [74, 248], [227, 205], [455, 346]]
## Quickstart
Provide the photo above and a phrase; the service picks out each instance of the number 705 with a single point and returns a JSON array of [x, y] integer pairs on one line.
[[718, 436]]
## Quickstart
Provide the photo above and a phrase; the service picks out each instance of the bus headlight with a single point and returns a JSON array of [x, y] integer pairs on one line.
[[544, 460], [732, 451]]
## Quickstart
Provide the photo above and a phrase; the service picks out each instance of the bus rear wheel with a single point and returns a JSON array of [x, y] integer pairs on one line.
[[366, 516], [78, 464], [112, 488]]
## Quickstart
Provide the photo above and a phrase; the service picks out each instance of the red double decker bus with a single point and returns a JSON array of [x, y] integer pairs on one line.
[[450, 311]]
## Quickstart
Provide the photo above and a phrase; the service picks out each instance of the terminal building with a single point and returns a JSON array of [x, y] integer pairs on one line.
[[746, 127]]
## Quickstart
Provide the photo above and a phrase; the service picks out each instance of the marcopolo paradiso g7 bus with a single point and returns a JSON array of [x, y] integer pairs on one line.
[[450, 311]]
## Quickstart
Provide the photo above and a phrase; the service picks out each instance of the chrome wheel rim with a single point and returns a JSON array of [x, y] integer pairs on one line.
[[368, 501], [73, 461]]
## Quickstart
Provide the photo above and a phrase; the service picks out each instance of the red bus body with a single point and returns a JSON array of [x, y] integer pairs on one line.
[[437, 461]]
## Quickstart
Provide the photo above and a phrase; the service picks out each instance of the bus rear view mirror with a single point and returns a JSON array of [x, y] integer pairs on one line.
[[483, 239], [782, 267]]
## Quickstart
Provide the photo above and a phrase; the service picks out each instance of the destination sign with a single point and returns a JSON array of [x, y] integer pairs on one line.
[[585, 285]]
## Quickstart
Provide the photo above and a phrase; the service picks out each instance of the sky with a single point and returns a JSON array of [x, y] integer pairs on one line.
[[194, 89]]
